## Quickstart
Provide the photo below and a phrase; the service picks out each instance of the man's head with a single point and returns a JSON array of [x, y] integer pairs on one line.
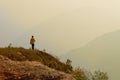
[[32, 36]]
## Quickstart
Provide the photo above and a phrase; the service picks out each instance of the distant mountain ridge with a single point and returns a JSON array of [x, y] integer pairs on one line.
[[101, 53]]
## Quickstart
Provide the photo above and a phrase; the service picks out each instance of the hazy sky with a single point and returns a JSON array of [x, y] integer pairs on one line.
[[58, 25]]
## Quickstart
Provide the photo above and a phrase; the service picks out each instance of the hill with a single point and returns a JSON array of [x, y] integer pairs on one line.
[[25, 64], [11, 70], [102, 53], [21, 54]]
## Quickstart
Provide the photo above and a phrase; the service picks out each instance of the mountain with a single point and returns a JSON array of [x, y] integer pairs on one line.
[[26, 64], [102, 53]]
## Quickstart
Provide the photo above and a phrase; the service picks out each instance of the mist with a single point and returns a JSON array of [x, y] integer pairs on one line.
[[58, 26]]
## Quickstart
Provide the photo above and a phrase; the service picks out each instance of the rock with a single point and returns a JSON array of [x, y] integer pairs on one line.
[[29, 70]]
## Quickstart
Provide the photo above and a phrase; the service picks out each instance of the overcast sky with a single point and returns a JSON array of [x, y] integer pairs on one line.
[[58, 25]]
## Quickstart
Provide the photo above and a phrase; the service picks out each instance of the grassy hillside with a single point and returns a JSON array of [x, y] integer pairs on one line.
[[21, 54], [29, 70]]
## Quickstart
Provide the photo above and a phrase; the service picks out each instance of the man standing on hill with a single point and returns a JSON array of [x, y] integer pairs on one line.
[[32, 42]]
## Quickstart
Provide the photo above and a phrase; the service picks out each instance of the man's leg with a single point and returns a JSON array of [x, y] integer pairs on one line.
[[33, 46]]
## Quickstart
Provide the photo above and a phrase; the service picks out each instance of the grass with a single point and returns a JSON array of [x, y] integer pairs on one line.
[[21, 54]]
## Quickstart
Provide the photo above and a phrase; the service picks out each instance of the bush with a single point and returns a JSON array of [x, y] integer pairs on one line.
[[98, 75], [79, 74]]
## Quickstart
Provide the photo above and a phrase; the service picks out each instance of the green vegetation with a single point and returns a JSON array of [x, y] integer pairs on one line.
[[79, 74], [21, 54], [98, 75]]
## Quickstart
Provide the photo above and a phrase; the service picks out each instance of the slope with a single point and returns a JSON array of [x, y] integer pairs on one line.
[[102, 53], [26, 64], [26, 70]]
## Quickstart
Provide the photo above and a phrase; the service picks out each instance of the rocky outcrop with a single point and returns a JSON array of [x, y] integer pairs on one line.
[[29, 70]]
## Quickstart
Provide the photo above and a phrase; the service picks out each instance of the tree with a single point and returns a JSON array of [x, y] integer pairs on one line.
[[68, 62]]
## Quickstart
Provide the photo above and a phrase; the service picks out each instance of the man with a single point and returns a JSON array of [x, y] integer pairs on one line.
[[32, 42]]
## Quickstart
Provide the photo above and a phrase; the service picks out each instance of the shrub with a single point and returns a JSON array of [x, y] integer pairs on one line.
[[98, 75], [79, 74]]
